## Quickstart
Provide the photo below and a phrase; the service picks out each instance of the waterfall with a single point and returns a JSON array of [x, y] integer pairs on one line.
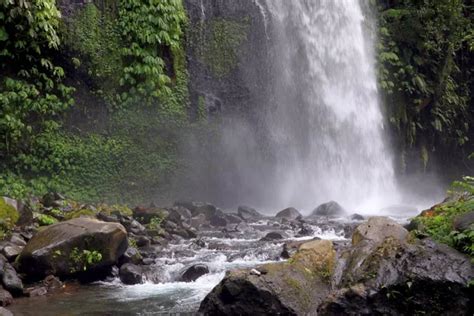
[[314, 130], [325, 120]]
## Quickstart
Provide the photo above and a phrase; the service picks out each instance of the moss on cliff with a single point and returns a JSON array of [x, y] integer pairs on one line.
[[217, 43]]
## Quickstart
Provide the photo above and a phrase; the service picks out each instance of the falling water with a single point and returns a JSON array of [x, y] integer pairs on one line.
[[316, 128], [325, 120]]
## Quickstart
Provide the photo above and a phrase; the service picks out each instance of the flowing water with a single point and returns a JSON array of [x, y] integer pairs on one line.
[[221, 254], [318, 132], [326, 123], [323, 139]]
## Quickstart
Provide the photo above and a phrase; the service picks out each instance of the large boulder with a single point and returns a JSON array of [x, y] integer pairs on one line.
[[397, 277], [376, 229], [328, 209], [288, 288], [384, 271], [248, 213], [290, 213], [80, 244]]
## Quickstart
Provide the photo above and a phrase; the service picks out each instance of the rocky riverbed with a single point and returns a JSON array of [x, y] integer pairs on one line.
[[97, 259]]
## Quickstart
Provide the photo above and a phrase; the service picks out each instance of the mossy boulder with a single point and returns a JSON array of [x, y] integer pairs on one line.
[[80, 245], [8, 213], [382, 272], [295, 287]]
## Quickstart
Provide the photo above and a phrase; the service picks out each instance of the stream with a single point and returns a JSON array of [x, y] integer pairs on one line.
[[220, 254]]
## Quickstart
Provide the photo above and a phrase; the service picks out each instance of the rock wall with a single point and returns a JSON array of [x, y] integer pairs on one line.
[[226, 50]]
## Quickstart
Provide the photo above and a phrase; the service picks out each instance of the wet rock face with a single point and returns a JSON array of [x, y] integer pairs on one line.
[[395, 277], [62, 249], [328, 209], [289, 213], [131, 274], [193, 273]]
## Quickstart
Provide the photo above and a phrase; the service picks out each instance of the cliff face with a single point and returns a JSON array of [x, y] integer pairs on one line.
[[226, 49]]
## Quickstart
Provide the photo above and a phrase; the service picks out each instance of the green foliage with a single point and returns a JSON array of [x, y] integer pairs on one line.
[[128, 54], [80, 213], [31, 93], [132, 242], [45, 220], [425, 65], [8, 217], [83, 260], [150, 29], [155, 223], [93, 35], [438, 223], [218, 44]]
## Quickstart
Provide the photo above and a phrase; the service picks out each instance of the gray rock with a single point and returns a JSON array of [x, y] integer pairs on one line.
[[271, 236], [5, 297], [376, 229], [52, 199], [464, 221], [36, 291], [218, 220], [131, 274], [11, 252], [328, 209], [143, 241], [289, 213], [357, 217], [394, 277], [131, 255], [11, 281], [248, 214], [52, 283], [193, 273], [233, 218], [18, 240]]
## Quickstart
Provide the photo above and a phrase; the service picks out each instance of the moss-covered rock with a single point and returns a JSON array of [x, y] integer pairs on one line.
[[8, 213], [81, 213], [295, 287], [381, 273], [78, 245]]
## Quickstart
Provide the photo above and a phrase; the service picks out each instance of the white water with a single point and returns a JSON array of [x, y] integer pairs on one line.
[[326, 122]]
